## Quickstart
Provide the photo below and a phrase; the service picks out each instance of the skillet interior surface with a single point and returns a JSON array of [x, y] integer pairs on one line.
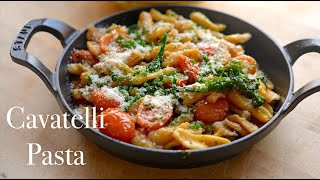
[[269, 56]]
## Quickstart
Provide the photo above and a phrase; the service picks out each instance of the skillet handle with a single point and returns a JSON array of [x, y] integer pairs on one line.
[[20, 56], [295, 50]]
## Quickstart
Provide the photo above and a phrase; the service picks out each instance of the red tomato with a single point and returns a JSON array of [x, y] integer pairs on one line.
[[249, 63], [186, 65], [167, 85], [182, 82], [101, 101], [117, 124], [209, 113], [154, 117], [84, 56], [105, 40]]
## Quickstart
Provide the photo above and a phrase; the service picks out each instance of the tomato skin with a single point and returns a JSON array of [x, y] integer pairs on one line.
[[101, 101], [117, 124], [211, 112], [249, 63], [186, 65], [146, 116], [84, 56], [105, 40], [182, 82], [168, 85]]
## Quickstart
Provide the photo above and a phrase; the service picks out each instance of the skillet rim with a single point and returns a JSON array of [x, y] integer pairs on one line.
[[277, 117]]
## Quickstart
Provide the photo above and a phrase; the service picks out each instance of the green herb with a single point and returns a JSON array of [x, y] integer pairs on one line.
[[129, 44], [195, 125], [155, 65], [132, 29], [205, 58], [194, 61], [233, 76], [140, 41]]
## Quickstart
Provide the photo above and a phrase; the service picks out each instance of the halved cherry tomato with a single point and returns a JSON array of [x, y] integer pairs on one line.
[[209, 113], [100, 100], [116, 124], [153, 116], [248, 62], [186, 65], [84, 56], [106, 39]]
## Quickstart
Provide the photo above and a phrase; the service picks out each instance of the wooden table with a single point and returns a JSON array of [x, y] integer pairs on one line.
[[290, 151]]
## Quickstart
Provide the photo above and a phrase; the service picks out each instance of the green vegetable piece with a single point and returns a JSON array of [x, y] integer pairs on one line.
[[155, 65]]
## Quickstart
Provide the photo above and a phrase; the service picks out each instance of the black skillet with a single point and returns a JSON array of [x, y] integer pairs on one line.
[[276, 61]]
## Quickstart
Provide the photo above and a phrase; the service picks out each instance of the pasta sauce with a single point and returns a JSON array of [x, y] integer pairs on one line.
[[171, 82]]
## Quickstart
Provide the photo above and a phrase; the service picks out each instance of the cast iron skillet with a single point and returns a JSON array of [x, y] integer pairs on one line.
[[274, 60]]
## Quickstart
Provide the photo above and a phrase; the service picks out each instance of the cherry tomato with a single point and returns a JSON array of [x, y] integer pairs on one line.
[[211, 112], [151, 116], [102, 100], [105, 40], [84, 56], [249, 63], [186, 65], [116, 124]]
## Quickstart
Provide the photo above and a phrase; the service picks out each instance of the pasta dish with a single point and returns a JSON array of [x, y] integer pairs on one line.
[[171, 82]]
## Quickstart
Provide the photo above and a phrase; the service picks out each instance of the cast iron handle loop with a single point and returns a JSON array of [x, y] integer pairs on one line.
[[295, 50], [19, 54]]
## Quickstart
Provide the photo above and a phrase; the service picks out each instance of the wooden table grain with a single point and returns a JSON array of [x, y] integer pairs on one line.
[[290, 151]]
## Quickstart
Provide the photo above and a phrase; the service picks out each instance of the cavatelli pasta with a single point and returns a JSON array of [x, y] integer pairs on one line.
[[170, 82]]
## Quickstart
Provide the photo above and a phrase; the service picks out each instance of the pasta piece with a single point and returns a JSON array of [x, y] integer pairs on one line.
[[140, 139], [134, 59], [193, 141], [94, 47], [136, 80], [172, 60], [268, 94], [243, 113], [150, 55], [236, 127], [85, 78], [161, 136], [262, 113], [235, 50], [204, 21], [158, 16], [170, 12], [243, 122], [192, 97], [238, 38], [173, 143], [184, 25], [76, 94], [221, 130], [214, 96], [159, 32], [145, 20], [94, 34], [76, 69], [109, 66], [123, 30]]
